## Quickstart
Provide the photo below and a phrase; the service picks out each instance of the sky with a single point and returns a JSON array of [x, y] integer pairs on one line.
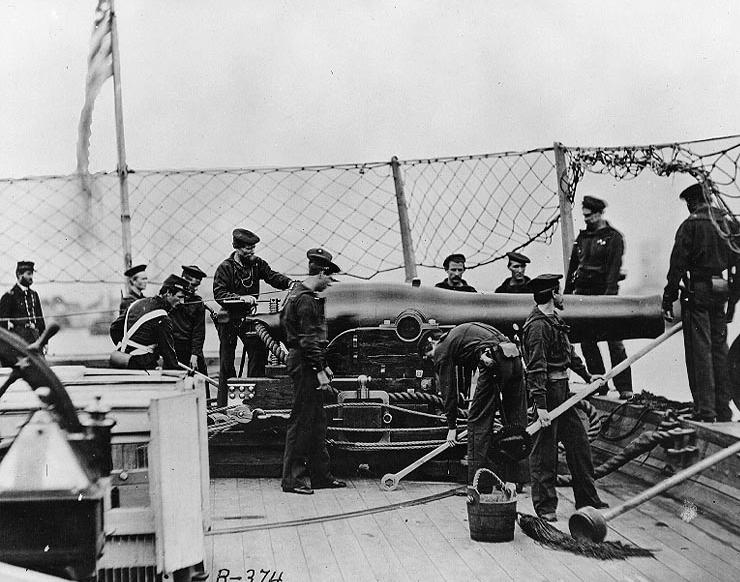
[[235, 84], [243, 84]]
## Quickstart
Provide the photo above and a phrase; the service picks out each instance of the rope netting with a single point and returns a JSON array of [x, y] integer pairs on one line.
[[479, 205], [713, 162]]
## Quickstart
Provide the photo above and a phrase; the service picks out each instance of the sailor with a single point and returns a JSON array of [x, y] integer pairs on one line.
[[595, 269], [517, 283], [548, 355], [304, 326], [137, 281], [144, 332], [236, 287], [700, 259], [497, 360], [189, 322], [454, 265], [20, 307]]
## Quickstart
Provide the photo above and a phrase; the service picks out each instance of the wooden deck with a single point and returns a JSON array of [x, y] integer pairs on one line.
[[431, 542]]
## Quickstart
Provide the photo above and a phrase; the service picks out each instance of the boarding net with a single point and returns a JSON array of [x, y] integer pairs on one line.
[[479, 205]]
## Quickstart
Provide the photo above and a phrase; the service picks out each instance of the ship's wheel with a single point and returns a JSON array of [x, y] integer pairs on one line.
[[28, 365]]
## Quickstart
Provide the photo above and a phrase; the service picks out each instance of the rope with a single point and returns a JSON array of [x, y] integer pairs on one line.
[[608, 419], [389, 429], [263, 332], [402, 445], [337, 516]]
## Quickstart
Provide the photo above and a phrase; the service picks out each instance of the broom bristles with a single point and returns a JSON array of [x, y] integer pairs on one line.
[[544, 533]]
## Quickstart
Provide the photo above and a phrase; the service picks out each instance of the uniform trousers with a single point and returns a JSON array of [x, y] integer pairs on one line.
[[305, 453], [501, 382], [705, 345], [228, 334], [543, 460]]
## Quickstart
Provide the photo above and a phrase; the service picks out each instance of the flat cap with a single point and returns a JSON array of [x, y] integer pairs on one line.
[[694, 192], [130, 272], [593, 204], [518, 257], [453, 258], [544, 282], [323, 257], [193, 271], [24, 266], [243, 237], [176, 282]]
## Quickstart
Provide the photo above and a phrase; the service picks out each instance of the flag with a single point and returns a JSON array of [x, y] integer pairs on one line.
[[99, 68]]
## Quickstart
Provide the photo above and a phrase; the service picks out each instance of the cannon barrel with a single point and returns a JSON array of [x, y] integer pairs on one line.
[[353, 305]]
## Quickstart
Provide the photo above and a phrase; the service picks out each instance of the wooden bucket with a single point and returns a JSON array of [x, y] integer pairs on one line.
[[491, 516]]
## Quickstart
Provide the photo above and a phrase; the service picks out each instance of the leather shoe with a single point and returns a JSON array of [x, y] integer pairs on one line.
[[600, 505], [698, 418], [333, 484], [300, 489], [627, 395], [551, 517]]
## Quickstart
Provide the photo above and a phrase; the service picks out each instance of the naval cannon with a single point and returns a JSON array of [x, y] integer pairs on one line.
[[372, 331]]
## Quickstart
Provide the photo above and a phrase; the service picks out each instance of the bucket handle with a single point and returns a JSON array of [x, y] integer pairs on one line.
[[499, 483]]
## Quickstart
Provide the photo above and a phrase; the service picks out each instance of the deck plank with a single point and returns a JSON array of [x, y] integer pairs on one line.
[[347, 549], [228, 553], [414, 560], [376, 548], [703, 550], [256, 546]]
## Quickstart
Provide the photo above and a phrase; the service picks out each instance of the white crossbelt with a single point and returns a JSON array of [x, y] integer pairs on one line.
[[139, 349]]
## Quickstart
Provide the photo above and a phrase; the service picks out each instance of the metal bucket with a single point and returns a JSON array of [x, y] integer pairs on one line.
[[491, 516]]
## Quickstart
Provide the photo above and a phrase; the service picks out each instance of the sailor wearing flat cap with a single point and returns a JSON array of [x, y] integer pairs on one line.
[[137, 282], [705, 270], [236, 287], [548, 355], [144, 332], [517, 283], [20, 307], [595, 269], [189, 322], [306, 459], [454, 266]]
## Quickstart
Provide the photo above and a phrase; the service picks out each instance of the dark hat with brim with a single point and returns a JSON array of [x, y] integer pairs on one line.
[[130, 272], [24, 266], [324, 258], [518, 257], [453, 258], [193, 271], [544, 283], [243, 238], [593, 204], [693, 192], [176, 282]]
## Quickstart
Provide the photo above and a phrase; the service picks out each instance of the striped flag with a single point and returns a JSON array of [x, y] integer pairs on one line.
[[99, 68]]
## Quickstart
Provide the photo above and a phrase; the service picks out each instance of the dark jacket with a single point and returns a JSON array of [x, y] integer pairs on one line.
[[189, 323], [156, 332], [699, 250], [507, 287], [128, 300], [233, 279], [462, 346], [547, 349], [20, 312], [464, 287], [304, 325], [596, 261]]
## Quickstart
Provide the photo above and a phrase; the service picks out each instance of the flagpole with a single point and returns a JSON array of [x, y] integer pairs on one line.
[[122, 168]]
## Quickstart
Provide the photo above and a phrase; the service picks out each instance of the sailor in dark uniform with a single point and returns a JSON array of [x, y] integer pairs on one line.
[[137, 281], [189, 323], [144, 332], [304, 326], [454, 265], [20, 308], [548, 355], [517, 283], [700, 259], [595, 269], [497, 359], [236, 286]]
